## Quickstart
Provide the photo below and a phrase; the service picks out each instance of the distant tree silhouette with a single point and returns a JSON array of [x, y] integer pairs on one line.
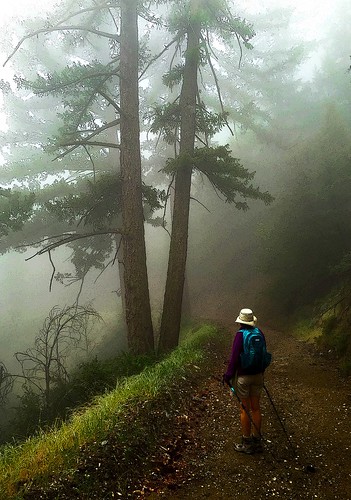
[[45, 364]]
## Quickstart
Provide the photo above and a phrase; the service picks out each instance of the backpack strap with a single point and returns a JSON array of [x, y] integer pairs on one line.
[[246, 331]]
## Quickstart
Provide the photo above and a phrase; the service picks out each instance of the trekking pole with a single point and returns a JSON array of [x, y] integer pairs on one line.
[[280, 421], [306, 468]]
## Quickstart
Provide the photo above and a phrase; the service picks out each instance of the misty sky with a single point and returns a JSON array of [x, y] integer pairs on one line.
[[312, 13], [24, 8], [310, 17]]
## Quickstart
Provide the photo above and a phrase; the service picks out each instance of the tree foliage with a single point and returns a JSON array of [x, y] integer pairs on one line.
[[15, 210], [224, 172]]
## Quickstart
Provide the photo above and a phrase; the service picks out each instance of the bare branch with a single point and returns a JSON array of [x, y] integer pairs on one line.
[[105, 5], [103, 34], [91, 160], [44, 363], [170, 185], [6, 383], [201, 140], [59, 28], [85, 143], [199, 202], [108, 125], [82, 279], [117, 250], [158, 56], [241, 50], [97, 131], [53, 270], [110, 101], [95, 90], [210, 46], [113, 19], [64, 239], [174, 54], [208, 56]]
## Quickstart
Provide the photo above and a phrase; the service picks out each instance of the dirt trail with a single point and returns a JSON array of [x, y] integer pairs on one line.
[[315, 406]]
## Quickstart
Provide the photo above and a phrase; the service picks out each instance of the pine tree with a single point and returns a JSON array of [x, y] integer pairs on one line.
[[186, 119]]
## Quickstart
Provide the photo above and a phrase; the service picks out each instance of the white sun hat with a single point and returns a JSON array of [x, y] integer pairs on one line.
[[246, 317]]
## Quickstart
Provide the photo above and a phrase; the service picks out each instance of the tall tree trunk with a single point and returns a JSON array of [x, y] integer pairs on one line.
[[172, 306], [137, 298]]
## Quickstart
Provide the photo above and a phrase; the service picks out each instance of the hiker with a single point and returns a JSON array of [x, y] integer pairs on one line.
[[245, 374]]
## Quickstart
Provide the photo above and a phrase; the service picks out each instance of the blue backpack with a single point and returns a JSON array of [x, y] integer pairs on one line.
[[254, 357]]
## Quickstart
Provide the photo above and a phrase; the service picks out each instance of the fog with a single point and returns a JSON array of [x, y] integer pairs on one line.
[[26, 299], [289, 112]]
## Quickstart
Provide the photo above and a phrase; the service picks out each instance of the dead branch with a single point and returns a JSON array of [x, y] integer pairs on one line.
[[44, 363], [64, 239], [111, 262], [208, 57], [95, 90], [86, 141], [110, 101], [201, 140], [53, 270], [84, 11], [199, 202], [59, 28], [110, 145], [170, 185], [174, 54], [82, 279], [240, 48], [108, 125], [113, 19], [91, 160], [160, 54]]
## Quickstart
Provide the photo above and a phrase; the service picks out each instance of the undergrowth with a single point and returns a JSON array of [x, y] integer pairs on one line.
[[336, 339], [329, 329], [120, 416], [306, 331]]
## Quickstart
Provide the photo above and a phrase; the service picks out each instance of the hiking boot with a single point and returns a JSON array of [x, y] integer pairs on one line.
[[245, 446], [256, 444]]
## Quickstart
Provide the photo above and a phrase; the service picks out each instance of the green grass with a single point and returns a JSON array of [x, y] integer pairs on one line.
[[52, 453]]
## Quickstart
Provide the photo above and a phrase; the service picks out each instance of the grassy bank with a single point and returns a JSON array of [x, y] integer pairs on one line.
[[118, 419], [329, 329], [307, 331]]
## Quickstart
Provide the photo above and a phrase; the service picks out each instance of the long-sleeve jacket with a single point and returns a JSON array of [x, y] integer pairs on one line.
[[234, 365]]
